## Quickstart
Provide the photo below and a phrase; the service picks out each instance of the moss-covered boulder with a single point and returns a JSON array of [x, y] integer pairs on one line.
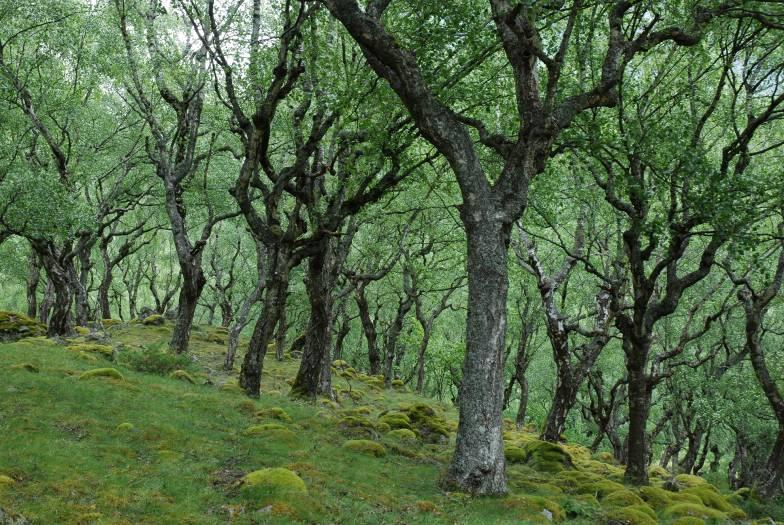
[[514, 454], [531, 507], [427, 423], [274, 413], [154, 320], [109, 373], [15, 326], [396, 420], [182, 375], [402, 434], [365, 446], [547, 457], [679, 510], [6, 481], [622, 498], [92, 348], [277, 481], [125, 427], [628, 516]]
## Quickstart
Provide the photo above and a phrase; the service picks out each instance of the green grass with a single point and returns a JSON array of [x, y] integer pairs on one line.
[[182, 460]]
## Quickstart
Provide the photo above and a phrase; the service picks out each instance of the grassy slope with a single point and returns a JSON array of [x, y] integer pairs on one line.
[[181, 462]]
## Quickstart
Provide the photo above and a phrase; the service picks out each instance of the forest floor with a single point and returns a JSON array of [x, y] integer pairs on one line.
[[146, 448]]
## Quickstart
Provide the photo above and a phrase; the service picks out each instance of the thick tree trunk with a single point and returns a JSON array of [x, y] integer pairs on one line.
[[33, 278], [60, 322], [478, 462], [192, 286], [563, 401], [639, 407], [276, 286], [312, 379]]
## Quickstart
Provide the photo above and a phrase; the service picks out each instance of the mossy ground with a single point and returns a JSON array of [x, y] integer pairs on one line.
[[157, 449]]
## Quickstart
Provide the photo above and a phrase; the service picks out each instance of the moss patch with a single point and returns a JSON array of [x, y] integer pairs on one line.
[[275, 480], [365, 446], [111, 373]]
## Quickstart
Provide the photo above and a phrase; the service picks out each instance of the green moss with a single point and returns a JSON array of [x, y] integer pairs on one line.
[[15, 326], [531, 506], [257, 430], [658, 472], [153, 320], [427, 423], [688, 520], [679, 510], [514, 454], [110, 322], [398, 383], [340, 364], [93, 348], [689, 480], [601, 489], [111, 373], [629, 516], [82, 330], [124, 427], [547, 457], [6, 481], [231, 387], [182, 375], [402, 434], [710, 498], [396, 420], [278, 481], [622, 498], [656, 497], [274, 413], [365, 446], [26, 366]]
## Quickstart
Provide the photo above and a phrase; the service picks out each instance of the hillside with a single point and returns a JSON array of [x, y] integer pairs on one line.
[[86, 438]]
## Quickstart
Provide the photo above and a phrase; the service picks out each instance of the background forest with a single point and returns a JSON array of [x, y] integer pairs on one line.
[[566, 214]]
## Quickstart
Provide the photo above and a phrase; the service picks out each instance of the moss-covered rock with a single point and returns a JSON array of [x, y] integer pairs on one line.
[[6, 481], [396, 420], [514, 454], [656, 497], [365, 446], [82, 330], [402, 434], [547, 457], [153, 320], [628, 516], [534, 506], [622, 498], [182, 375], [274, 413], [111, 373], [427, 423], [690, 480], [278, 481], [679, 510], [688, 520], [92, 348], [233, 388], [15, 326], [710, 498], [125, 427]]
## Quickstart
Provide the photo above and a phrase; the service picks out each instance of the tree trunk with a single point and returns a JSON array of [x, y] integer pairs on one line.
[[369, 329], [81, 298], [61, 322], [46, 303], [563, 401], [420, 382], [523, 406], [192, 286], [280, 334], [478, 462], [33, 278], [253, 364], [639, 393], [312, 379]]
